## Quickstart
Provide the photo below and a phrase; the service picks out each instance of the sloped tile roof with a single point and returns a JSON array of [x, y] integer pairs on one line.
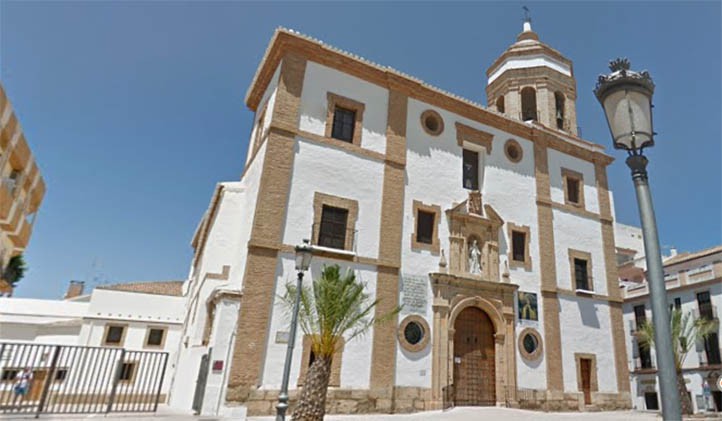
[[173, 288]]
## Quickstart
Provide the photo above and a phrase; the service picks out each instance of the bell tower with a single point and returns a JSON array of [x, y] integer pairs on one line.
[[532, 81]]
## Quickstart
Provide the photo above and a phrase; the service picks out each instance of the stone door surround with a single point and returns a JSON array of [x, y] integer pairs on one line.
[[454, 293]]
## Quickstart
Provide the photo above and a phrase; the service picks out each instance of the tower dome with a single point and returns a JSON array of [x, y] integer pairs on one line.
[[531, 81]]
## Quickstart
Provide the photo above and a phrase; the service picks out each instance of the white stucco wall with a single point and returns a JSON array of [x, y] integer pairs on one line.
[[559, 160], [319, 80], [629, 237], [335, 172], [268, 100], [585, 328], [538, 60], [575, 232]]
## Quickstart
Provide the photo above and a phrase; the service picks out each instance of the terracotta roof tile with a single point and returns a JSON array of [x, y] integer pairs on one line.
[[173, 288], [682, 257]]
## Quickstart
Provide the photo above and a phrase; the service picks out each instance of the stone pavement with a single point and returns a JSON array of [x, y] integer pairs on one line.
[[456, 414]]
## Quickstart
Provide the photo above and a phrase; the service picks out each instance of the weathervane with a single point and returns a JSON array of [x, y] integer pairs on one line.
[[527, 15]]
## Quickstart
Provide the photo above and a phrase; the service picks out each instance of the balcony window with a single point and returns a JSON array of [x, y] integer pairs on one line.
[[333, 227]]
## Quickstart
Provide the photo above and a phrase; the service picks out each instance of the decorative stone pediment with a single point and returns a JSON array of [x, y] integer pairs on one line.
[[474, 239]]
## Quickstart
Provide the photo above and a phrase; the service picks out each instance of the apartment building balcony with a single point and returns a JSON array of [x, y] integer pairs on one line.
[[7, 190], [20, 155], [7, 129], [36, 196], [15, 216], [21, 238], [643, 366]]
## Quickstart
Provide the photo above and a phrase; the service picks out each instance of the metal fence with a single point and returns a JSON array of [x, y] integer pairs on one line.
[[38, 379]]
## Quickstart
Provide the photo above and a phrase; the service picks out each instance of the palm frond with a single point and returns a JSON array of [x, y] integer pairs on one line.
[[335, 306]]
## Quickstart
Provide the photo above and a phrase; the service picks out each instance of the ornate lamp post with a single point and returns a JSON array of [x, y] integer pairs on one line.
[[626, 97], [304, 253]]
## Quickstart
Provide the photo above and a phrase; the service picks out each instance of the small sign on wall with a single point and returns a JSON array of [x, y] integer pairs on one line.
[[218, 365], [281, 337]]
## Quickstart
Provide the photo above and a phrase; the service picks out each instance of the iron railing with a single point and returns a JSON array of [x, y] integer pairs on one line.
[[79, 379]]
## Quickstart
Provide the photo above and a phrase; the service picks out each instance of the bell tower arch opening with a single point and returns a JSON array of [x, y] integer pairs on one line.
[[559, 106], [528, 104]]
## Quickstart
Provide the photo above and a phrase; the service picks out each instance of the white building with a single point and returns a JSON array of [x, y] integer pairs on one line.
[[396, 179], [134, 317], [694, 285]]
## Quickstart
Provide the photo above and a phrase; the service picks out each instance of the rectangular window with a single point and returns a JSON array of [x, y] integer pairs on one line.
[[573, 190], [518, 245], [640, 317], [61, 374], [678, 303], [155, 337], [580, 274], [425, 227], [127, 372], [705, 305], [573, 184], [343, 124], [333, 227], [9, 374], [471, 170], [114, 335]]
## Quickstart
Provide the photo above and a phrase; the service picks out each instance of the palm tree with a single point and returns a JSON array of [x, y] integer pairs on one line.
[[334, 307], [686, 332], [15, 270]]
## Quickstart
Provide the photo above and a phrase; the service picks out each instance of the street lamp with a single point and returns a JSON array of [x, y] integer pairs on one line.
[[304, 253], [626, 97]]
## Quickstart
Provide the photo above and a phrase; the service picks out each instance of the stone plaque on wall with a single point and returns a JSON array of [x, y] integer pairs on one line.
[[414, 290], [282, 337]]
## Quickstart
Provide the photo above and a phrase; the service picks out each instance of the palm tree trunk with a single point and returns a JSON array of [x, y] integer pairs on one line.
[[312, 404], [684, 399]]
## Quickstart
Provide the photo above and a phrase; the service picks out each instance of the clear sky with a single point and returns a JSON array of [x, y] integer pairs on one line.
[[135, 110]]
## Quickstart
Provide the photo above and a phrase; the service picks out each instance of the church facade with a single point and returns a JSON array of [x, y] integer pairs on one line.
[[491, 226]]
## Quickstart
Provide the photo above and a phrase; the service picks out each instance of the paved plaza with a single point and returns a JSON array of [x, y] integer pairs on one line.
[[456, 414]]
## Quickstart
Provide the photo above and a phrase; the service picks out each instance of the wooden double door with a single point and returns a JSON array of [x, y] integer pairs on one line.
[[474, 359]]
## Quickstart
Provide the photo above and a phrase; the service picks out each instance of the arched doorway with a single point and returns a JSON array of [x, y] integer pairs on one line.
[[474, 359]]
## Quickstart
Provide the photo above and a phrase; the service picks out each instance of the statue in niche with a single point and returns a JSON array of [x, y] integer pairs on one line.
[[474, 259]]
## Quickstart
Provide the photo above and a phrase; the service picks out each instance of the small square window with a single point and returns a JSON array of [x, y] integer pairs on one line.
[[155, 337], [581, 276], [114, 335], [127, 372], [573, 190], [425, 227], [333, 227], [343, 124], [518, 242]]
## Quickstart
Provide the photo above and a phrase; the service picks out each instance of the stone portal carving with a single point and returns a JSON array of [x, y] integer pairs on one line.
[[474, 239]]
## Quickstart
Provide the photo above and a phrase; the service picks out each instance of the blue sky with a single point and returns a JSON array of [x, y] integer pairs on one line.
[[135, 110]]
